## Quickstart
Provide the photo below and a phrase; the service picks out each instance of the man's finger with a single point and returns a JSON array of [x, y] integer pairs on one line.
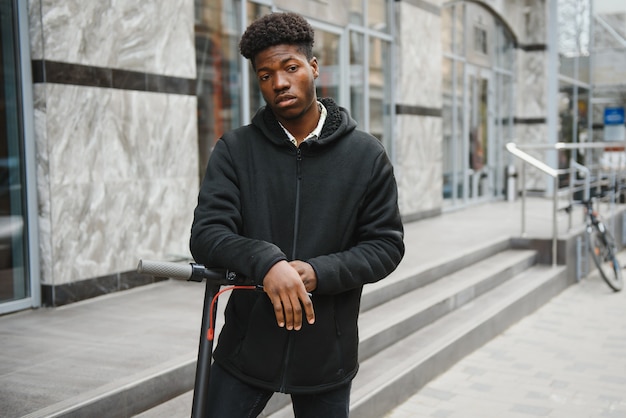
[[278, 311], [297, 314], [290, 313], [309, 312]]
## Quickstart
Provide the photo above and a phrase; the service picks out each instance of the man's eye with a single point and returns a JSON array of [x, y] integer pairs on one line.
[[292, 68], [264, 77]]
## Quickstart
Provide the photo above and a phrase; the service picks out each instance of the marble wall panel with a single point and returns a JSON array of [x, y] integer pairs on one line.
[[153, 138], [419, 164], [43, 181], [105, 228], [531, 84], [151, 36], [535, 23], [336, 12], [513, 13], [117, 176], [419, 57], [529, 134], [79, 121], [525, 18], [35, 33]]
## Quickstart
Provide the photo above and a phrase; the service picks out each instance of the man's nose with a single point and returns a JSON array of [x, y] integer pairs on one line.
[[281, 81]]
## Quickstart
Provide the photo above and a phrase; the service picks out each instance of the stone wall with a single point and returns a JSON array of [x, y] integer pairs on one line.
[[116, 138]]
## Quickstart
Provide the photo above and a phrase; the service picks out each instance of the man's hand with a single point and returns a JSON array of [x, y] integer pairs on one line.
[[288, 294], [307, 274]]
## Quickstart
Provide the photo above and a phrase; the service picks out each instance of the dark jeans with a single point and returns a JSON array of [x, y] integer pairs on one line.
[[229, 397]]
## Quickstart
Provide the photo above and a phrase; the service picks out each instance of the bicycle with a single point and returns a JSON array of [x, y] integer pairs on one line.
[[602, 247]]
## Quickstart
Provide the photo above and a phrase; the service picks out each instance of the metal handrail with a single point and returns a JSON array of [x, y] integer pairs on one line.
[[554, 173], [527, 158]]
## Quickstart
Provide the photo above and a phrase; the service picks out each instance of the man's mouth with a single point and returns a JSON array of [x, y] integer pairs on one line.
[[284, 100]]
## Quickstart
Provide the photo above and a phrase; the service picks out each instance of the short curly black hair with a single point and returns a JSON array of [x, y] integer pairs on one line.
[[277, 29]]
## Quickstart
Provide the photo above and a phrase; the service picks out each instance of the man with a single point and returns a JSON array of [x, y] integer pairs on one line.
[[306, 205]]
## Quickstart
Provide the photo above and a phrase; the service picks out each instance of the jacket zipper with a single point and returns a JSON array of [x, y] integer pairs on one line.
[[293, 257], [297, 208]]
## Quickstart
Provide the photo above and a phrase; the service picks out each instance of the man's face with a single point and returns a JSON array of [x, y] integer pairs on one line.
[[287, 82]]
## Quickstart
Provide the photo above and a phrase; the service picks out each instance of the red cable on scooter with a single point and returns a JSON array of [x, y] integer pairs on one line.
[[211, 330]]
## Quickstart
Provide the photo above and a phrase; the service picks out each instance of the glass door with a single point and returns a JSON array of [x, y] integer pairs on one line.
[[16, 289], [478, 133]]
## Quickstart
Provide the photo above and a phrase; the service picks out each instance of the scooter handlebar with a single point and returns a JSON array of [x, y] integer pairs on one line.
[[165, 269], [192, 272]]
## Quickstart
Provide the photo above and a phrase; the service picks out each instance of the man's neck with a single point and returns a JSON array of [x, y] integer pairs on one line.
[[300, 128]]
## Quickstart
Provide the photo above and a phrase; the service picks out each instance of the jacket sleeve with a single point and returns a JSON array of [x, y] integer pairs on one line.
[[215, 233], [379, 244]]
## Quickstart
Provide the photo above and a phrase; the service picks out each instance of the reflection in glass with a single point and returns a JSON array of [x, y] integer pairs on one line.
[[326, 49], [218, 68], [460, 145], [379, 100], [14, 284], [477, 114], [448, 131], [356, 12], [357, 77], [459, 29], [377, 15], [574, 39], [446, 35], [254, 11]]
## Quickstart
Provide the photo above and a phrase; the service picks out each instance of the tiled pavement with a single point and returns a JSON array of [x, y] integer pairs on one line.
[[567, 360]]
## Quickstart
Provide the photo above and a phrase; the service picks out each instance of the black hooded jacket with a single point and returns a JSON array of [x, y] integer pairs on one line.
[[331, 202]]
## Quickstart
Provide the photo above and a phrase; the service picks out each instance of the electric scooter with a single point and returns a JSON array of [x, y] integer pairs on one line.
[[215, 279]]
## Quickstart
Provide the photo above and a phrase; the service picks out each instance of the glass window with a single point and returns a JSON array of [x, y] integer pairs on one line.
[[447, 36], [477, 113], [574, 68], [459, 29], [221, 94], [446, 113], [254, 11], [379, 100], [480, 30], [574, 37], [461, 146], [218, 73], [326, 49], [480, 40], [14, 282], [356, 12], [357, 76], [574, 27], [377, 15], [504, 51]]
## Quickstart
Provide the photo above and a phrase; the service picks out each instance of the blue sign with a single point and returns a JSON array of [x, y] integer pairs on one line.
[[614, 116], [614, 129]]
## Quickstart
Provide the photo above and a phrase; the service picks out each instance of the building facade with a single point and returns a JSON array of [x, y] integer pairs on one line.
[[111, 110]]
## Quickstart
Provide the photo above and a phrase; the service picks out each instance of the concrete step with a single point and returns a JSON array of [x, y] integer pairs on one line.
[[425, 302], [392, 375], [413, 272], [387, 326]]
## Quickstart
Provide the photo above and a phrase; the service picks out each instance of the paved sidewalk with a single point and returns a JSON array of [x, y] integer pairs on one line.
[[567, 360], [53, 358]]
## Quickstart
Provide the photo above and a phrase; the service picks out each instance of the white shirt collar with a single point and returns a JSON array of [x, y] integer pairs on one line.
[[315, 134]]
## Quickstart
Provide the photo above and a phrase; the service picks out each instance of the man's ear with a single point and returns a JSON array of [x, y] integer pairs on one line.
[[314, 65]]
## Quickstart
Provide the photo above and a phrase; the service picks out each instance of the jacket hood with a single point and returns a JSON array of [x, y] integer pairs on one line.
[[338, 123]]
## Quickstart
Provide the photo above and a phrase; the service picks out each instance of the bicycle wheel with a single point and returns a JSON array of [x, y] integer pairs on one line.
[[602, 248]]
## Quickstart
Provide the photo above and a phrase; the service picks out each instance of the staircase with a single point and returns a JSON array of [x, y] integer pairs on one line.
[[416, 324]]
